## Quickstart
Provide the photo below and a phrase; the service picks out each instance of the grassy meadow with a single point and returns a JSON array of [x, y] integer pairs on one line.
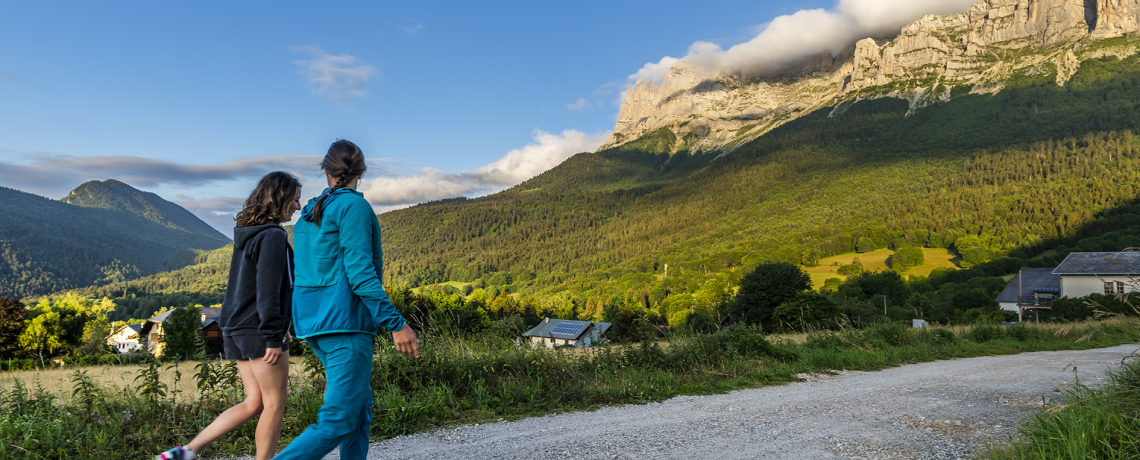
[[114, 378], [97, 413], [877, 261]]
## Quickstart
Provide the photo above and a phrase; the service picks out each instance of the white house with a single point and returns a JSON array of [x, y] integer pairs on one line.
[[152, 329], [1033, 287], [126, 339], [554, 331], [1084, 273]]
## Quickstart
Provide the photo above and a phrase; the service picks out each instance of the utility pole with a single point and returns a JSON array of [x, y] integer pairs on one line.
[[884, 305], [1020, 310]]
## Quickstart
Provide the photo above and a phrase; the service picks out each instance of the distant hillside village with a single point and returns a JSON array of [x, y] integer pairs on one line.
[[1031, 291]]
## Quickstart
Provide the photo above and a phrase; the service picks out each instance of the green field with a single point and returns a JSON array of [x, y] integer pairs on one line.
[[877, 261]]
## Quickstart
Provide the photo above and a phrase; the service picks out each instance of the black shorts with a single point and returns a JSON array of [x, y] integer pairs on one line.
[[242, 347]]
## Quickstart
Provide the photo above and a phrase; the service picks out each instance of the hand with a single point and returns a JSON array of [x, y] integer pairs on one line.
[[272, 355], [406, 342], [288, 338]]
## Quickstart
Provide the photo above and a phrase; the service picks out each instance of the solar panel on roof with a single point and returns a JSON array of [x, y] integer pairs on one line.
[[568, 329]]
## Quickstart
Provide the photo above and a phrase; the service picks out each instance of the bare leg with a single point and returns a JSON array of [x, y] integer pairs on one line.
[[273, 379], [234, 416]]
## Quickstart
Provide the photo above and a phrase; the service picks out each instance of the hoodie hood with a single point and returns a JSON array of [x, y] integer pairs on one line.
[[243, 235], [307, 211]]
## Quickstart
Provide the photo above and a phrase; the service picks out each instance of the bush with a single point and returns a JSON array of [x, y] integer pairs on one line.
[[830, 341], [808, 311], [751, 342], [937, 336], [1022, 333], [889, 334], [985, 332]]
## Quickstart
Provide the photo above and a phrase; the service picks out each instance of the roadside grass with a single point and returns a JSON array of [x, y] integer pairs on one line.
[[57, 381], [485, 378], [1091, 422], [877, 261]]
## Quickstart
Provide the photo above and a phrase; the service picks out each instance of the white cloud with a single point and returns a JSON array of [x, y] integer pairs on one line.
[[411, 30], [147, 172], [339, 78], [516, 166], [581, 104], [804, 33], [219, 212]]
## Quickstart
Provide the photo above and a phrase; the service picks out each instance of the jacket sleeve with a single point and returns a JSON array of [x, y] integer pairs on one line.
[[358, 232], [271, 253]]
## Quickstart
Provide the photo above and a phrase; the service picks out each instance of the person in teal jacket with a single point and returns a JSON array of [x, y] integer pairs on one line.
[[339, 304]]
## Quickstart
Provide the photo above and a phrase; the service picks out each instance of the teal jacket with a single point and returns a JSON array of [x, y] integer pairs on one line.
[[338, 267]]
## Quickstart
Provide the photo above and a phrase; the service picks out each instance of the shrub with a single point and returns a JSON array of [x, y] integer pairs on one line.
[[1021, 333], [828, 340], [938, 336], [888, 333], [748, 341], [808, 311], [985, 332]]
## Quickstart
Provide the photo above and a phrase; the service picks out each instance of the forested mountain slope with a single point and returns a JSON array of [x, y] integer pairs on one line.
[[112, 194], [203, 283], [1026, 167], [47, 245]]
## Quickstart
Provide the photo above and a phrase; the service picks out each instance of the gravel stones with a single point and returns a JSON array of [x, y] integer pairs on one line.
[[938, 410]]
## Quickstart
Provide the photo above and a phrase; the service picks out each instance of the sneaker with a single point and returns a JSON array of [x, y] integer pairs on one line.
[[177, 453]]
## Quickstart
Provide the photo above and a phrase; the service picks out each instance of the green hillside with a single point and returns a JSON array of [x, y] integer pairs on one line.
[[48, 246], [112, 194], [203, 283], [1033, 166]]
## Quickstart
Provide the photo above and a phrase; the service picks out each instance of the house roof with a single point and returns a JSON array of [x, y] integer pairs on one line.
[[1032, 280], [1100, 263], [211, 312], [135, 328], [567, 329]]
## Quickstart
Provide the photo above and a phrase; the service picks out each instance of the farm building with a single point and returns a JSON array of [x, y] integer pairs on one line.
[[1032, 287], [152, 329], [1084, 273], [125, 339], [553, 332]]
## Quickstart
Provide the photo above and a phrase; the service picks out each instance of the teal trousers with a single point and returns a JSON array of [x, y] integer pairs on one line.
[[346, 416]]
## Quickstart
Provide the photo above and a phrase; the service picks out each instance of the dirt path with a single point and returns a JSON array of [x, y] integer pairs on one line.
[[945, 409]]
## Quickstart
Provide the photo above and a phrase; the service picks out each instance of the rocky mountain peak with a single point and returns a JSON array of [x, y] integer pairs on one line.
[[980, 48]]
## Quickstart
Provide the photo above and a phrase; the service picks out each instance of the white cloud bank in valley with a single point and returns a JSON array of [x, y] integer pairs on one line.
[[547, 151], [806, 32]]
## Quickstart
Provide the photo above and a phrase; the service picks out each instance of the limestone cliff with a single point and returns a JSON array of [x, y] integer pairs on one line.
[[980, 48]]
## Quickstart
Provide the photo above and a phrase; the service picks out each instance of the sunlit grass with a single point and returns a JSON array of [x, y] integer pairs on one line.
[[877, 261]]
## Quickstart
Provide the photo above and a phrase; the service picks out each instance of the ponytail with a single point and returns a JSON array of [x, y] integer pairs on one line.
[[344, 162]]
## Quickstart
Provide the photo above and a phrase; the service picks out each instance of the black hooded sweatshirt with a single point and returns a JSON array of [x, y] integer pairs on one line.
[[259, 295]]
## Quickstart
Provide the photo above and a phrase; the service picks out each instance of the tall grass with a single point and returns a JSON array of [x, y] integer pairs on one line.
[[479, 378], [1094, 423]]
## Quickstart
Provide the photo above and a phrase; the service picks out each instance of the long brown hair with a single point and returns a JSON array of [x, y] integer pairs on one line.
[[344, 162], [271, 201]]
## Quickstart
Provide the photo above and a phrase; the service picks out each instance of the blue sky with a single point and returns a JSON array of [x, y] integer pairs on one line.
[[196, 100]]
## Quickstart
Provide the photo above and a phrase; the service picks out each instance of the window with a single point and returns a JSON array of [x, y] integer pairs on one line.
[[1119, 287], [211, 333], [1108, 288]]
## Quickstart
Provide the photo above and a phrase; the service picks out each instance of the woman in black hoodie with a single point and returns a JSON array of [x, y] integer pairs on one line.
[[255, 316]]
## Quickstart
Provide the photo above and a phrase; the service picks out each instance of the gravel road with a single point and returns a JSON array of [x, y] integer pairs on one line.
[[944, 409]]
